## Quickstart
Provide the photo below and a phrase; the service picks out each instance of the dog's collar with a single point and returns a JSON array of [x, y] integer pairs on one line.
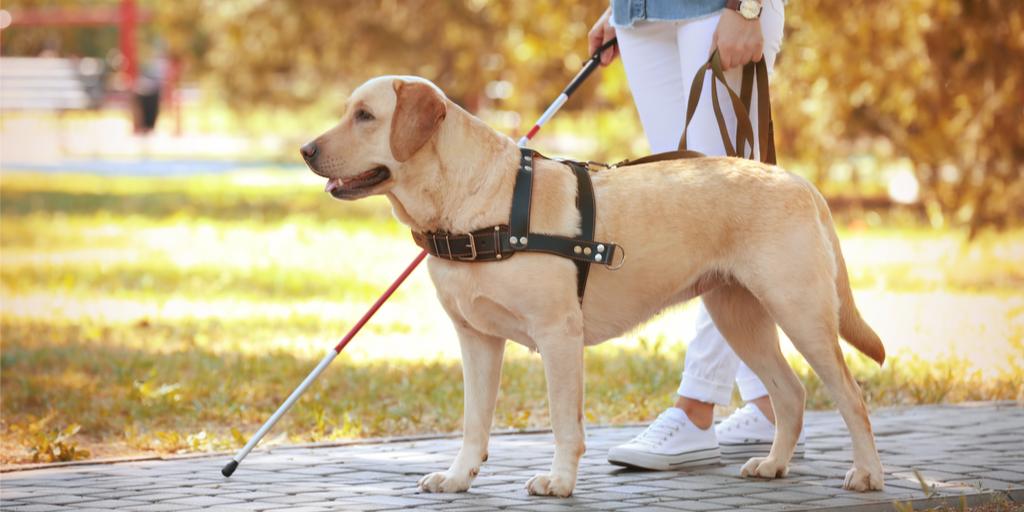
[[500, 242]]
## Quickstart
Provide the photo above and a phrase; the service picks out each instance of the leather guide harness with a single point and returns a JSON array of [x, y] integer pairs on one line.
[[500, 242]]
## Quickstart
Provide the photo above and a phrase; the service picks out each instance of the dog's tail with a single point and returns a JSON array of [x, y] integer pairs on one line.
[[852, 327]]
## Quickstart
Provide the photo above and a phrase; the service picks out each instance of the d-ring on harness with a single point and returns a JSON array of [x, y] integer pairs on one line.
[[501, 242]]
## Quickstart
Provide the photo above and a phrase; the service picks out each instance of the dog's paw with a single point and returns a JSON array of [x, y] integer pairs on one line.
[[547, 484], [764, 467], [860, 479], [443, 481]]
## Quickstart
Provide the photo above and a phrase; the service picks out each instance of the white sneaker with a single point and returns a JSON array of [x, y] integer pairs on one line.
[[748, 432], [670, 442]]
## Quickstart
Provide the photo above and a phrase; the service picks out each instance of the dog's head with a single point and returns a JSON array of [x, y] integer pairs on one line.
[[387, 121]]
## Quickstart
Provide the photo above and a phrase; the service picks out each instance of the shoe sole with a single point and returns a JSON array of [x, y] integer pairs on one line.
[[754, 449], [641, 460]]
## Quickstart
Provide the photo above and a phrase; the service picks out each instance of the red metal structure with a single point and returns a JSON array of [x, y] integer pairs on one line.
[[127, 16], [129, 22]]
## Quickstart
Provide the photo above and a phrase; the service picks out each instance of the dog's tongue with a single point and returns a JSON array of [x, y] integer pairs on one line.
[[332, 183]]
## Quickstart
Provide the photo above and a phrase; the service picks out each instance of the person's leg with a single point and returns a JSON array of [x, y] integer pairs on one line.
[[753, 391], [708, 373], [709, 360], [651, 58], [651, 55], [660, 60], [751, 428]]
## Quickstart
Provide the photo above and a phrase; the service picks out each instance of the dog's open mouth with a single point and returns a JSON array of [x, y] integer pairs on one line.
[[358, 185]]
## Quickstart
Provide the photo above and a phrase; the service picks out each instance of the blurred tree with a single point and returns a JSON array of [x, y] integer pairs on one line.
[[939, 82], [297, 52]]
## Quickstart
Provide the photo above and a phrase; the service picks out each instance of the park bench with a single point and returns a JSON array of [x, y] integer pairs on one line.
[[50, 84]]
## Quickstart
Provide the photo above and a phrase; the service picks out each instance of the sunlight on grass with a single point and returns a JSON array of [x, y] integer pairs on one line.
[[174, 314]]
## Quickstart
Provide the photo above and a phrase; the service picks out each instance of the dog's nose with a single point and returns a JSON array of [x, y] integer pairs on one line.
[[309, 151]]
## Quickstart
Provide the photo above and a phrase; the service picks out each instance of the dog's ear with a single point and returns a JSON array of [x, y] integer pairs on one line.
[[418, 112]]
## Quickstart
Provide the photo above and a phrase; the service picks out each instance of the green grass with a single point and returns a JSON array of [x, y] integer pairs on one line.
[[170, 315]]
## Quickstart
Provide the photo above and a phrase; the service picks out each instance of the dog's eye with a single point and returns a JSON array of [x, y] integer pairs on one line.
[[363, 115]]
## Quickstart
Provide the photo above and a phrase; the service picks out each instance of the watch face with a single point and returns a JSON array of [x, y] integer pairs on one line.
[[750, 9]]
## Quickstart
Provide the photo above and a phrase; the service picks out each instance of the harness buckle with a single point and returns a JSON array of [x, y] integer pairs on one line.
[[448, 244], [472, 249]]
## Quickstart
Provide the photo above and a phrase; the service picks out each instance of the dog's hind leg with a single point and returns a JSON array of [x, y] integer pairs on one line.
[[806, 306], [481, 375], [751, 333]]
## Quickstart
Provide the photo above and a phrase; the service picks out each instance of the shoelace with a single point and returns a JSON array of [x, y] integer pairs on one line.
[[660, 430], [742, 417]]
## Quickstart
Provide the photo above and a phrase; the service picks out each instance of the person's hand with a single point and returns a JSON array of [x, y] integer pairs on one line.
[[738, 39], [600, 33]]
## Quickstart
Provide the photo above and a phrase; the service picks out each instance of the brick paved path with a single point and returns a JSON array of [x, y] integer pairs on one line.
[[974, 450]]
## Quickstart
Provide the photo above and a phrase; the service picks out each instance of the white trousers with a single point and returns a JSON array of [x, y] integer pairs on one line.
[[661, 58]]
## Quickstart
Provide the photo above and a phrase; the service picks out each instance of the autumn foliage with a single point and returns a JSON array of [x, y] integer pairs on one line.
[[934, 86]]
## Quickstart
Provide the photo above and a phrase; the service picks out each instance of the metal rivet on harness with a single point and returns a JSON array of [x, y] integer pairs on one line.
[[587, 251], [600, 247], [512, 240], [577, 249], [522, 240], [598, 258]]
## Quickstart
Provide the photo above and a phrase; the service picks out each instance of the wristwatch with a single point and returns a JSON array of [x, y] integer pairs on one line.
[[749, 9]]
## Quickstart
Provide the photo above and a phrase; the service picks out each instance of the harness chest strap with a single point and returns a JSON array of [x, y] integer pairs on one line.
[[500, 242]]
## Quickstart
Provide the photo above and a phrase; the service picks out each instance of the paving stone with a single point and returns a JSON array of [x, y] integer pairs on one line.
[[249, 506], [735, 501], [202, 501], [653, 508], [693, 505], [35, 507], [303, 508], [832, 502], [688, 494], [362, 506], [611, 505], [1006, 476], [960, 449], [783, 496], [393, 501], [547, 507], [110, 504], [54, 499]]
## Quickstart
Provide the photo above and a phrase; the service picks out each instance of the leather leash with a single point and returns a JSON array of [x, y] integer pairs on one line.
[[752, 72]]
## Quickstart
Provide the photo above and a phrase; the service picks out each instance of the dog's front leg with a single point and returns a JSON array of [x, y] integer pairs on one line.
[[562, 353], [481, 374]]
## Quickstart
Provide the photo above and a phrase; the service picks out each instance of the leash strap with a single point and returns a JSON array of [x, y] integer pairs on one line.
[[754, 71]]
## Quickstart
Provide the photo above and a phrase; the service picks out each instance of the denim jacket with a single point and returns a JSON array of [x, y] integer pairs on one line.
[[627, 12]]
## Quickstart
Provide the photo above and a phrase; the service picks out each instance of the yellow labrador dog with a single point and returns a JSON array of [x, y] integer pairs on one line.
[[755, 242]]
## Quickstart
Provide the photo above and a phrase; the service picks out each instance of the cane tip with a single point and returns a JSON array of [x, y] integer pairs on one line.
[[229, 468]]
